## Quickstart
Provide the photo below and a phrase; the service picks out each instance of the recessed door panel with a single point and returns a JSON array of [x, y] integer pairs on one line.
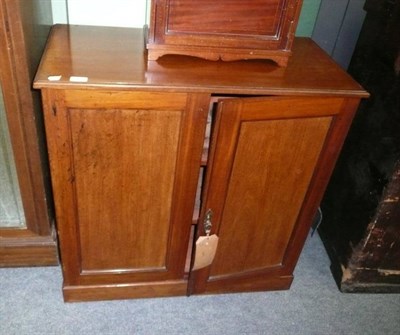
[[124, 172], [272, 167], [259, 17]]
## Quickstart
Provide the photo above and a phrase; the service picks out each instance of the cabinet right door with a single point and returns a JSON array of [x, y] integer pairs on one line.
[[269, 163]]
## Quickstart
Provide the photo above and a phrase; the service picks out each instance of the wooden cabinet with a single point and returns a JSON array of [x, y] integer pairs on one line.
[[224, 29], [129, 159]]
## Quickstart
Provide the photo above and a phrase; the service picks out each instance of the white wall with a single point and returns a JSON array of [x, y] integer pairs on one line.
[[60, 14], [119, 13]]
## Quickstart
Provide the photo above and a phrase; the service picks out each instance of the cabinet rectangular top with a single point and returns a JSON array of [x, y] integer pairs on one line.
[[88, 57]]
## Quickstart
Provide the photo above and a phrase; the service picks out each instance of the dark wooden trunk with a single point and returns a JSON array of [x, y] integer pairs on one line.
[[361, 208]]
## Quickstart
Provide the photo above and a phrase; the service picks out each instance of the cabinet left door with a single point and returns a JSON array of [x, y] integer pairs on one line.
[[124, 169]]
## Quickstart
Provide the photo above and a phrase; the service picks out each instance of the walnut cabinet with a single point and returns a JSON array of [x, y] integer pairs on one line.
[[134, 177]]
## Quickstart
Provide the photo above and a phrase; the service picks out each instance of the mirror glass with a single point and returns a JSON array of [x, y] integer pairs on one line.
[[11, 210]]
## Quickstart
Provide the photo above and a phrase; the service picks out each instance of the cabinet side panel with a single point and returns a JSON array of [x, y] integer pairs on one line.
[[273, 165], [124, 168]]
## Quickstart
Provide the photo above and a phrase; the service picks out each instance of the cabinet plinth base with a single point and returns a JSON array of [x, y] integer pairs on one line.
[[28, 251], [280, 57], [250, 285], [124, 291]]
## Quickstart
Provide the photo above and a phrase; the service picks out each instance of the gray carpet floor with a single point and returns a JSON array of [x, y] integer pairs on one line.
[[31, 303]]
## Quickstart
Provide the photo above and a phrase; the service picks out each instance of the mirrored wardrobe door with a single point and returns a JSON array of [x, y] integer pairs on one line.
[[26, 221]]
